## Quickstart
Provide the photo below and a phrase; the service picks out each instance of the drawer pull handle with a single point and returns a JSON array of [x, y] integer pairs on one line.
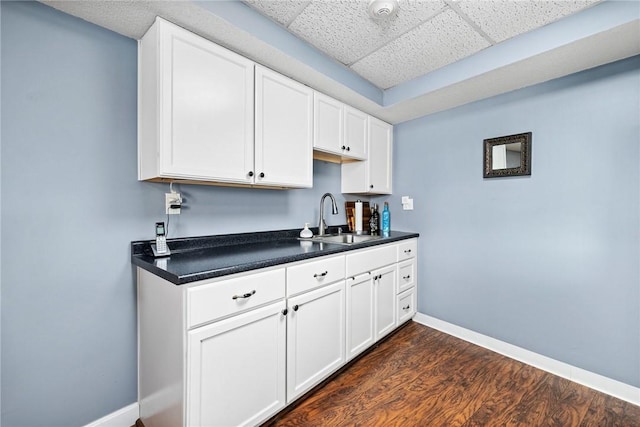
[[406, 308], [247, 295], [407, 277], [321, 275], [407, 251]]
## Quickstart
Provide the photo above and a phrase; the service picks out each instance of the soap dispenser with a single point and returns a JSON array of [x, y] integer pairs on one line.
[[306, 233]]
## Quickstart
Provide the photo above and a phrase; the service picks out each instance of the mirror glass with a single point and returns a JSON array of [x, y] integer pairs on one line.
[[507, 155]]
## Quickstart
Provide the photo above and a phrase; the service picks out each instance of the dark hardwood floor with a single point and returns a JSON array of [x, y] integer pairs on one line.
[[422, 377]]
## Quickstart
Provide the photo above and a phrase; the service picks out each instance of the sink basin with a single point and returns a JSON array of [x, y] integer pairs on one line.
[[344, 239]]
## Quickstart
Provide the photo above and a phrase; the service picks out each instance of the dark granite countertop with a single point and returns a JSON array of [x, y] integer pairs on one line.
[[199, 258]]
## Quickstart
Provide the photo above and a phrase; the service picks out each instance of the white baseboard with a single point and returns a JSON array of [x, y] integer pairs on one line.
[[597, 382], [125, 417]]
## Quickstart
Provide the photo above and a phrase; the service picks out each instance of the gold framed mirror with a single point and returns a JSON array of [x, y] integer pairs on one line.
[[507, 156]]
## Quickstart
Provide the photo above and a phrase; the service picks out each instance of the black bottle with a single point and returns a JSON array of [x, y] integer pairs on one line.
[[374, 220]]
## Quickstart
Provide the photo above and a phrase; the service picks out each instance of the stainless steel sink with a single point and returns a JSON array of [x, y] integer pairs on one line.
[[343, 239]]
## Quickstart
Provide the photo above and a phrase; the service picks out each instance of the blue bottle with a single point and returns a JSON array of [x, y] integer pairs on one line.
[[386, 220]]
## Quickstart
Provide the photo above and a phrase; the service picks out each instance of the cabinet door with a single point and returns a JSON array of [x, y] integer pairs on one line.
[[355, 133], [236, 369], [380, 156], [206, 115], [360, 312], [284, 131], [373, 175], [327, 124], [315, 337], [385, 300]]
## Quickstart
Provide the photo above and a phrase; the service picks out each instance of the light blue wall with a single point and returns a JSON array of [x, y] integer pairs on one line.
[[549, 262], [71, 204]]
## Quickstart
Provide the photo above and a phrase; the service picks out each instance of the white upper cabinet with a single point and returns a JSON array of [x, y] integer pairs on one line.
[[283, 132], [209, 115], [328, 124], [372, 176], [355, 133], [380, 156], [339, 129], [196, 111]]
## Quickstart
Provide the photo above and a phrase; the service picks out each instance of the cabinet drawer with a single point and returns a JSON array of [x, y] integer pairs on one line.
[[226, 297], [311, 275], [406, 305], [370, 259], [406, 275], [408, 249]]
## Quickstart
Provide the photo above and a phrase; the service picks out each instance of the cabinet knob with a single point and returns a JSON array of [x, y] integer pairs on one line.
[[247, 295], [344, 147], [250, 173], [371, 186], [284, 312], [296, 307], [348, 148], [261, 174]]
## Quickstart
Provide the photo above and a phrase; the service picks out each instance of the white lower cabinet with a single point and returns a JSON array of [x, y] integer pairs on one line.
[[360, 312], [233, 351], [315, 337], [384, 285], [235, 371], [406, 305]]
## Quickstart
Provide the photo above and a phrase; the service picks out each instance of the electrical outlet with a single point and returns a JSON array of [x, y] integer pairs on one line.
[[172, 199], [407, 203]]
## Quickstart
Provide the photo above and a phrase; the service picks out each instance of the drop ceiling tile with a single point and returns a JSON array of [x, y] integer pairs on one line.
[[439, 42], [503, 19], [281, 11], [344, 30]]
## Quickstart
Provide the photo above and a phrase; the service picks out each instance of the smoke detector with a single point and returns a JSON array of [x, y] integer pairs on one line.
[[383, 9]]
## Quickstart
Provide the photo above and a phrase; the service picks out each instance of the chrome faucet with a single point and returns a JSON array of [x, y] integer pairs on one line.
[[334, 210]]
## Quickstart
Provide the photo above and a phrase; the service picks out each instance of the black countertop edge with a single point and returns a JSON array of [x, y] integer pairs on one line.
[[238, 244]]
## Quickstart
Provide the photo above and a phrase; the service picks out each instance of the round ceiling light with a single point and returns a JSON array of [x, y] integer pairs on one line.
[[383, 9]]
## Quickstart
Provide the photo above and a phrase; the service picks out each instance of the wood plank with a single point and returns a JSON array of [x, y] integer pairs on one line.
[[607, 411]]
